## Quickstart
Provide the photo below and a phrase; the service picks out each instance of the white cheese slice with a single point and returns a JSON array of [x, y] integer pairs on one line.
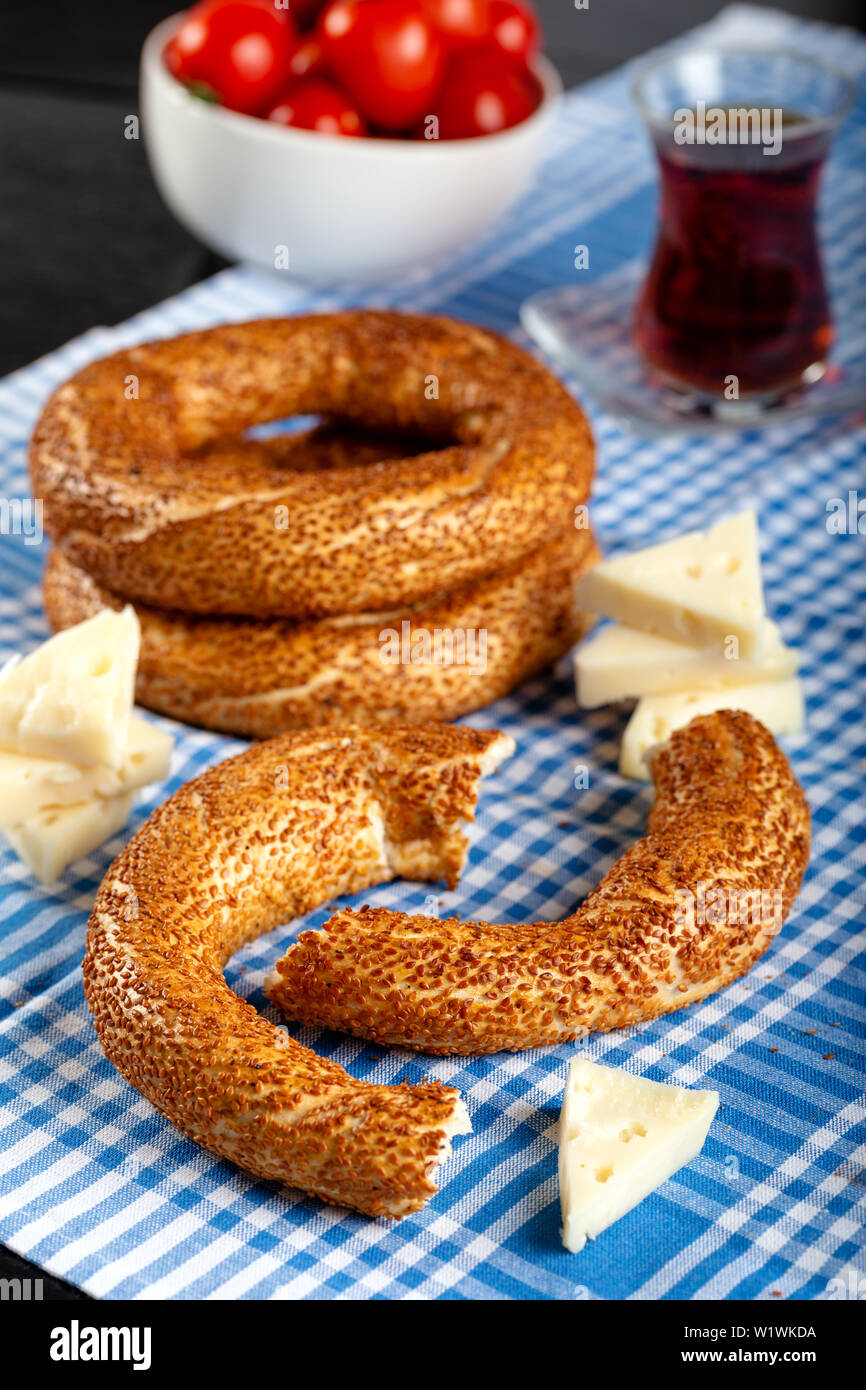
[[778, 705], [28, 783], [700, 588], [620, 1138], [621, 663], [57, 836], [72, 697]]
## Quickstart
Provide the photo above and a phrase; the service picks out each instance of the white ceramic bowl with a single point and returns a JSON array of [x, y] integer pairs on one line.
[[336, 207]]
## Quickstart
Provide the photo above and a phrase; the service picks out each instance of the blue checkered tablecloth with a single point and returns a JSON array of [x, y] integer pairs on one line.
[[96, 1187]]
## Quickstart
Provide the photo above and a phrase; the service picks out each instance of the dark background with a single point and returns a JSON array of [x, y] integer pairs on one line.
[[84, 237]]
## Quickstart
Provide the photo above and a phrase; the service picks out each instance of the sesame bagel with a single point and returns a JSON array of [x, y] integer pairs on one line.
[[257, 839], [729, 821], [146, 480], [260, 677]]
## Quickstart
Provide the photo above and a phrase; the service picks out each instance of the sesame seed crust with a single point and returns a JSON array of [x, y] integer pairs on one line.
[[260, 677], [152, 489], [728, 815], [262, 837]]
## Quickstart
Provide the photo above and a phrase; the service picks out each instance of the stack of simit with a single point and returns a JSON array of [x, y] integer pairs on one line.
[[412, 557]]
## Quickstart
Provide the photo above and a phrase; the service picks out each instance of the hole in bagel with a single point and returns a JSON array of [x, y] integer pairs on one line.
[[309, 444], [293, 424]]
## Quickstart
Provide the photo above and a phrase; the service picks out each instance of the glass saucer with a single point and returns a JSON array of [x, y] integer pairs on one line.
[[587, 328]]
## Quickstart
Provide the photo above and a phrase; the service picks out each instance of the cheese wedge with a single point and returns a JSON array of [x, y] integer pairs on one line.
[[621, 663], [700, 588], [620, 1138], [72, 697], [28, 783], [57, 836], [778, 705]]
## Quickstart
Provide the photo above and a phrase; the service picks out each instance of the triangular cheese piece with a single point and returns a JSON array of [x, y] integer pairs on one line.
[[620, 1138], [28, 784], [72, 697], [58, 836], [702, 588], [777, 704], [622, 663]]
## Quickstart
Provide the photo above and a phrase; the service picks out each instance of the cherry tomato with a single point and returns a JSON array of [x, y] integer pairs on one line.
[[461, 23], [283, 9], [237, 49], [387, 55], [171, 57], [481, 96], [307, 59], [514, 29], [315, 104]]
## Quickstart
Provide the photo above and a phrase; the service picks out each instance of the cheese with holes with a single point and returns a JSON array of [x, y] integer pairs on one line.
[[778, 705], [621, 663], [72, 697], [58, 836], [702, 588], [28, 783], [621, 1137]]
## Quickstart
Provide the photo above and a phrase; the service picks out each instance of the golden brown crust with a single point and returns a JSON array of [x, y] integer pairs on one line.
[[257, 839], [148, 491], [729, 819], [260, 677]]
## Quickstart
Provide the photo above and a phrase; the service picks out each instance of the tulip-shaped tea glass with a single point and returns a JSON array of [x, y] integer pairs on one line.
[[735, 304]]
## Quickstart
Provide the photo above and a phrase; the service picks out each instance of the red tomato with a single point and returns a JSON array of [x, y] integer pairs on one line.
[[460, 22], [171, 57], [307, 60], [514, 29], [237, 49], [387, 55], [283, 9], [317, 105], [480, 96]]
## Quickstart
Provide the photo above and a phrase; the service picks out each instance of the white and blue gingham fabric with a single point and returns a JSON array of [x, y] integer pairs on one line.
[[96, 1187]]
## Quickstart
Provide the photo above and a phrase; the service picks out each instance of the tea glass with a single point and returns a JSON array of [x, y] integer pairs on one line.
[[735, 304]]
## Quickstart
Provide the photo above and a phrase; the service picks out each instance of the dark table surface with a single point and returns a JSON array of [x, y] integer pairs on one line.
[[84, 237]]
